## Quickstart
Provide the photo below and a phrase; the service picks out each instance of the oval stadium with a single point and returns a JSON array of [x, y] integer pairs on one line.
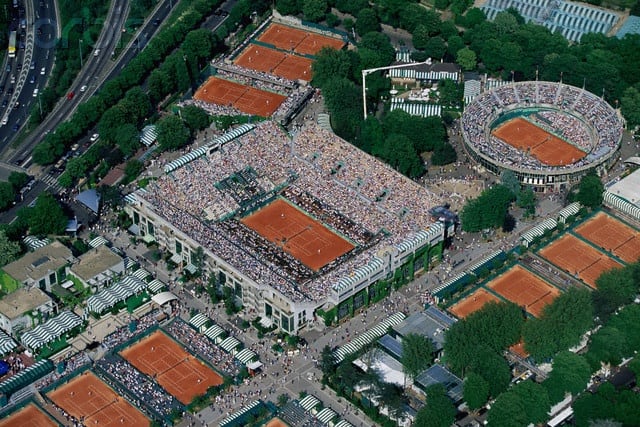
[[549, 134]]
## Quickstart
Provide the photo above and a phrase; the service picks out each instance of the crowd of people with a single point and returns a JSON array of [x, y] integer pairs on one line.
[[72, 363], [203, 346], [569, 110], [146, 391], [360, 196], [125, 333]]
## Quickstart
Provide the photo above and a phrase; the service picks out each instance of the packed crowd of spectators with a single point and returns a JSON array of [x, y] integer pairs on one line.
[[360, 196], [146, 391], [203, 347], [124, 333], [567, 109]]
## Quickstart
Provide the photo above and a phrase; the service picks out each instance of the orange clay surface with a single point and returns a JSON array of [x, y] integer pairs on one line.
[[245, 98], [276, 422], [299, 41], [525, 289], [578, 258], [613, 236], [29, 416], [542, 145], [282, 64], [176, 370], [87, 396], [474, 302], [298, 234]]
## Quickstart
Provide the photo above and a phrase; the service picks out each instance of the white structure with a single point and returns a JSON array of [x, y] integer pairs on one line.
[[23, 309]]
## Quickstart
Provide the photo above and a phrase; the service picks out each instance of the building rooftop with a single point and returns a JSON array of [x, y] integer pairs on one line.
[[94, 262], [21, 301], [422, 323], [628, 188], [37, 264]]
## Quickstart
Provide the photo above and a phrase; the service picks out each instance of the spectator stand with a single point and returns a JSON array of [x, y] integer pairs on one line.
[[452, 285], [23, 379]]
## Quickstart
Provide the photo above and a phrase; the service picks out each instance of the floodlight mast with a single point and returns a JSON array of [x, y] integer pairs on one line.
[[366, 72]]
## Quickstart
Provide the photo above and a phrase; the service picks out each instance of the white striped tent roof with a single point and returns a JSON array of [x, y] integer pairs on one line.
[[471, 90], [566, 212], [444, 285], [483, 261], [368, 337], [408, 73], [420, 238], [149, 135], [141, 274], [324, 121], [245, 356], [231, 418], [109, 297], [539, 230], [621, 204], [6, 343], [326, 415], [343, 423], [230, 344], [183, 160], [309, 402], [130, 198], [34, 243], [215, 333], [416, 108], [98, 241], [375, 265], [403, 56], [51, 330], [156, 286], [199, 320]]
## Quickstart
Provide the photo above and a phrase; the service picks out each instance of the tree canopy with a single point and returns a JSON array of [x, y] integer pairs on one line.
[[476, 390], [417, 354], [45, 218], [590, 191], [439, 410], [570, 374], [172, 133], [488, 210]]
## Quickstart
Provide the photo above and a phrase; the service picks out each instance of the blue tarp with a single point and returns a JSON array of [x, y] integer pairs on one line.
[[90, 198]]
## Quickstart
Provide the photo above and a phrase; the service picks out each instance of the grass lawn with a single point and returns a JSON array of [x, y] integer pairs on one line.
[[8, 283]]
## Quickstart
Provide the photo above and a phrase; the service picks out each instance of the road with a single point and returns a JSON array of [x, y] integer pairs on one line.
[[39, 39]]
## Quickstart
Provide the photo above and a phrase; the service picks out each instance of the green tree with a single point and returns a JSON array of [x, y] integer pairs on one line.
[[630, 104], [476, 391], [570, 374], [444, 154], [608, 345], [77, 167], [590, 191], [327, 363], [367, 21], [7, 195], [195, 118], [18, 180], [527, 201], [435, 47], [9, 250], [493, 367], [535, 400], [488, 210], [417, 354], [288, 7], [132, 169], [46, 217], [198, 44], [128, 139], [614, 288], [439, 410], [331, 64], [172, 133], [509, 179], [314, 10], [508, 410], [420, 37]]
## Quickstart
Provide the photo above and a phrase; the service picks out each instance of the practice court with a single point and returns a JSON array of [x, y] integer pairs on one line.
[[296, 40], [87, 396], [278, 63], [544, 146], [177, 371], [244, 98], [29, 416], [578, 258], [472, 303], [301, 236], [613, 236], [525, 289]]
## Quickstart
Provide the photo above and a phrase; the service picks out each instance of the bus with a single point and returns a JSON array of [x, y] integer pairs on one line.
[[12, 44]]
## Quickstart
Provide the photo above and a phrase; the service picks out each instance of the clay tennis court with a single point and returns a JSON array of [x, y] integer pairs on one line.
[[578, 258], [301, 236], [274, 62], [542, 145], [613, 236], [299, 41], [276, 422], [244, 98], [87, 396], [474, 302], [180, 373], [525, 289], [29, 416]]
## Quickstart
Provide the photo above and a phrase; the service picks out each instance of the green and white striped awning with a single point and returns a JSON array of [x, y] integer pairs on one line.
[[232, 420], [215, 333], [156, 286], [6, 343], [141, 274], [309, 402], [230, 344], [245, 356], [368, 337], [199, 320], [98, 241], [343, 423], [51, 330], [326, 415]]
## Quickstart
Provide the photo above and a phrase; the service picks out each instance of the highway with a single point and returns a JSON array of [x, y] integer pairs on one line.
[[37, 37]]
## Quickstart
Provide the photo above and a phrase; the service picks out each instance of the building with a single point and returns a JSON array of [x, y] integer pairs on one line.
[[423, 72], [25, 308], [431, 323], [624, 195], [42, 268], [383, 223], [97, 268]]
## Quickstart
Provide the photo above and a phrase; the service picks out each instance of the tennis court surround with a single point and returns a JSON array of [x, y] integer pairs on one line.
[[612, 235]]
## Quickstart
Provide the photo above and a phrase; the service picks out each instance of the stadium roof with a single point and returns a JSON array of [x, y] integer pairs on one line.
[[628, 188]]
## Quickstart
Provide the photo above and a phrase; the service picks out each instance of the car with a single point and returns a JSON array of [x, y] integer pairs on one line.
[[43, 70], [32, 79], [83, 88], [13, 78], [8, 69], [4, 121], [33, 65], [35, 92], [70, 95], [94, 137], [156, 22], [96, 52], [19, 66], [16, 126], [4, 103]]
